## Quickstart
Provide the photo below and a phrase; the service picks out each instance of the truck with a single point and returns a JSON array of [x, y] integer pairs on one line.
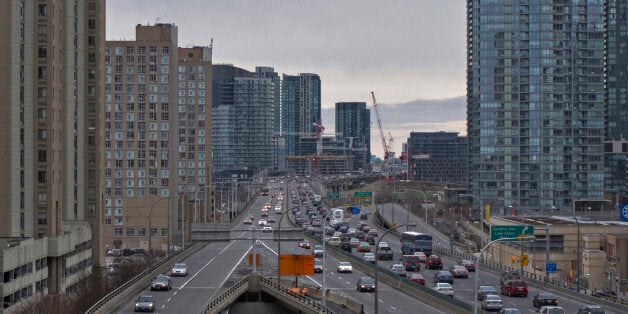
[[384, 252], [316, 200]]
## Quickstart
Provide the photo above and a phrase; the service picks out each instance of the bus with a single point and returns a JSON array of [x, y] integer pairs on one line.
[[412, 241], [316, 201]]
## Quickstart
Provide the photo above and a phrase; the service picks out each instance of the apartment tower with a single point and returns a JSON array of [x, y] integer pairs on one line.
[[353, 128], [300, 109], [50, 91], [535, 103]]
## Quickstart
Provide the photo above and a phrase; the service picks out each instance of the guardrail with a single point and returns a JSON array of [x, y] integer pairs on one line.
[[224, 299], [133, 281], [310, 304]]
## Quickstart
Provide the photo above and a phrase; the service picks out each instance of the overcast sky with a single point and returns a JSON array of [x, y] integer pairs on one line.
[[402, 49]]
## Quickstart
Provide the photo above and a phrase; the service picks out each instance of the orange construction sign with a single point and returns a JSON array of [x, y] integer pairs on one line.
[[298, 265], [258, 259]]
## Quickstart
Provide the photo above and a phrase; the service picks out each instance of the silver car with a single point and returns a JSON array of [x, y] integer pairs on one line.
[[179, 269], [145, 303], [492, 302]]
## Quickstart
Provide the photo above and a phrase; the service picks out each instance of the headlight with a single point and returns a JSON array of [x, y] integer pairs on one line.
[[362, 286], [137, 304]]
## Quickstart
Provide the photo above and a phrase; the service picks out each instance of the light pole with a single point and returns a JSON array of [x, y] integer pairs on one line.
[[325, 255], [479, 211], [425, 209], [477, 265], [376, 269], [182, 196], [150, 236], [279, 245]]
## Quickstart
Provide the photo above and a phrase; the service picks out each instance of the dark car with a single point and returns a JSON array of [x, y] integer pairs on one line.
[[365, 284], [370, 239], [469, 265], [145, 303], [544, 298], [304, 244], [591, 309], [509, 275], [459, 271], [343, 229], [317, 250], [161, 282], [411, 262], [434, 262], [443, 276], [514, 288], [318, 266], [345, 246]]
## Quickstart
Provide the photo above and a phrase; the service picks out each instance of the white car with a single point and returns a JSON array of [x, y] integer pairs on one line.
[[179, 269], [267, 229], [344, 267], [492, 302], [261, 222], [547, 309], [335, 241], [382, 244], [444, 288]]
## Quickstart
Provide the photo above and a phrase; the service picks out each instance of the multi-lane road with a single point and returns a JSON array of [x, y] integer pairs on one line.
[[216, 263]]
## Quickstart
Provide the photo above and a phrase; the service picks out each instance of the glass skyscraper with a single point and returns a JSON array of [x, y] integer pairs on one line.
[[353, 126], [300, 109], [617, 69], [535, 102]]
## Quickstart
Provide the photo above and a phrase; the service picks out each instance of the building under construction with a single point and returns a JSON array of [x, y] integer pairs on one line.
[[327, 164]]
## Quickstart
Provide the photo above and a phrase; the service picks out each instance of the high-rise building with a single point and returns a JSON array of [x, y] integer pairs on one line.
[[50, 92], [300, 109], [353, 126], [157, 137], [535, 102], [242, 122], [617, 75], [437, 157]]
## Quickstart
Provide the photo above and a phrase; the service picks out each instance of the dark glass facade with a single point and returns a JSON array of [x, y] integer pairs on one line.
[[353, 127], [437, 157], [617, 69]]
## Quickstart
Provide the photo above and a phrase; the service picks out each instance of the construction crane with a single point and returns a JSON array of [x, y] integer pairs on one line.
[[387, 145]]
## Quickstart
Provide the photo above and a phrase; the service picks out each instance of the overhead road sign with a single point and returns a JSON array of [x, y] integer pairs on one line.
[[550, 267], [367, 194], [515, 231]]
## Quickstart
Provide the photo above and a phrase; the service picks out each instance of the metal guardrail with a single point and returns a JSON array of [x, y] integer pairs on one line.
[[216, 305], [111, 295], [310, 303]]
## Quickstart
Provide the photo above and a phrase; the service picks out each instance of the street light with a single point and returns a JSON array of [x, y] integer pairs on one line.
[[324, 255], [279, 243], [479, 211], [376, 269], [150, 216], [477, 265]]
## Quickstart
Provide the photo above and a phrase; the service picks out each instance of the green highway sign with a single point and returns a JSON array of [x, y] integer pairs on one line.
[[333, 196], [362, 194], [500, 232]]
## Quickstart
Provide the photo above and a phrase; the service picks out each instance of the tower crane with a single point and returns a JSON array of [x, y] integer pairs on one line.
[[386, 144]]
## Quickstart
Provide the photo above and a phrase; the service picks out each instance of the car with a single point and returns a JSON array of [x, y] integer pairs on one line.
[[318, 266], [261, 222], [484, 291], [444, 288], [591, 309], [345, 246], [411, 262], [422, 256], [179, 269], [316, 223], [544, 298], [361, 225], [267, 229], [443, 276], [459, 271], [364, 247], [509, 275], [369, 257], [398, 269], [335, 241], [418, 278], [354, 242], [351, 231], [382, 243], [492, 302], [317, 250], [344, 267], [271, 220], [551, 309], [305, 244], [385, 252], [369, 239], [365, 284], [248, 221], [343, 229], [510, 310], [145, 303], [514, 288], [329, 231], [469, 265], [434, 262], [161, 282], [373, 232], [366, 229]]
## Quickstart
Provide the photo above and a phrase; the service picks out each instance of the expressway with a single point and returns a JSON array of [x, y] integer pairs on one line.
[[463, 288], [218, 263]]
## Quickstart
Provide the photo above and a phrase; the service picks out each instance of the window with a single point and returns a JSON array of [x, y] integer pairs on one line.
[[141, 232], [43, 9], [153, 232], [42, 134], [164, 232], [42, 51], [117, 232], [130, 232], [41, 177], [42, 155]]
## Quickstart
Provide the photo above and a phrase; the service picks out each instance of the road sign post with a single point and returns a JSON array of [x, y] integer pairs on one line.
[[511, 231]]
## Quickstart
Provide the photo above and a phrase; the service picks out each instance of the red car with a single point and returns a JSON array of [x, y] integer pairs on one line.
[[434, 262], [418, 278], [515, 287]]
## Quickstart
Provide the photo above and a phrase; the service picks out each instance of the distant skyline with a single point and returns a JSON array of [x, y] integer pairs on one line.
[[402, 50]]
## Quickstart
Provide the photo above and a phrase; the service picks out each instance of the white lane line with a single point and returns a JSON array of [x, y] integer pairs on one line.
[[392, 307], [234, 267], [210, 261], [274, 252], [169, 299], [348, 282]]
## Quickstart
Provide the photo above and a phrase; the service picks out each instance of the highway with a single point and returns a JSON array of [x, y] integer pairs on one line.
[[463, 288]]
